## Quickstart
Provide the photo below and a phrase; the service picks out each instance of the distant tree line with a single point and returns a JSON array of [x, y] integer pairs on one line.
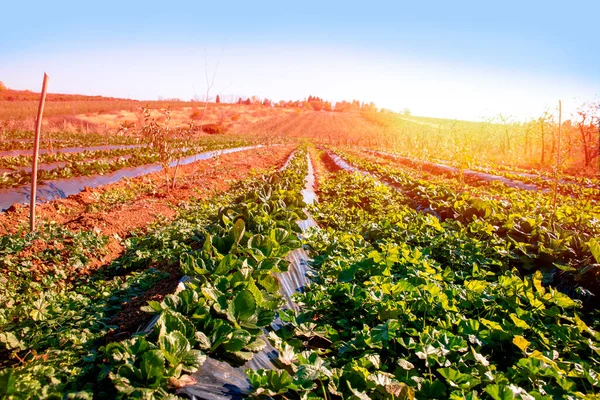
[[312, 103]]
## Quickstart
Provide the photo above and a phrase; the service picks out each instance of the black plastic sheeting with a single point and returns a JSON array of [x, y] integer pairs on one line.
[[62, 188], [217, 380], [470, 173], [345, 165]]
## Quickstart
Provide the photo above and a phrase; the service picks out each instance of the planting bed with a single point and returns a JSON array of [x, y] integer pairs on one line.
[[559, 240], [543, 182], [73, 178], [423, 285], [406, 306], [98, 162], [36, 262]]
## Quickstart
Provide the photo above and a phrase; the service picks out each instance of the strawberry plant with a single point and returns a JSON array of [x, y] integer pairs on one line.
[[98, 163], [231, 295], [538, 236], [55, 323], [419, 322]]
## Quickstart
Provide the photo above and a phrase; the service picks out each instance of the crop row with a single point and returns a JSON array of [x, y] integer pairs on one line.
[[569, 185], [23, 140], [16, 162], [556, 238], [566, 185], [522, 173], [405, 306], [230, 246], [97, 163]]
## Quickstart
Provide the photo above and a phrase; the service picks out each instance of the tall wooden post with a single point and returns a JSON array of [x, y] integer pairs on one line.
[[36, 149]]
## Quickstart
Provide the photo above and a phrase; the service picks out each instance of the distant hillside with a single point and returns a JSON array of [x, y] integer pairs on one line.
[[27, 95]]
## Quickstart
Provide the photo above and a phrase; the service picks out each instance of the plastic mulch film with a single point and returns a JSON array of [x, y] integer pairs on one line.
[[218, 380], [62, 188], [442, 168], [344, 165]]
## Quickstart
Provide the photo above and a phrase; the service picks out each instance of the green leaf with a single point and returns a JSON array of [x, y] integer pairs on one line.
[[243, 305], [237, 231], [226, 264], [460, 395], [278, 381], [270, 283], [173, 346], [347, 275], [170, 321], [8, 380], [190, 266], [492, 325], [459, 380], [270, 382], [153, 306], [385, 331], [244, 355], [506, 392], [152, 368], [519, 322], [11, 341], [238, 340], [192, 360], [265, 245], [562, 300], [476, 286], [595, 249], [256, 346], [202, 340]]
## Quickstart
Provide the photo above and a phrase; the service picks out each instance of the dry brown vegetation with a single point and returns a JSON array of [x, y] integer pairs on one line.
[[70, 113], [498, 141]]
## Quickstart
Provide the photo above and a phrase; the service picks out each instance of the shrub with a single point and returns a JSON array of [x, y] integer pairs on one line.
[[213, 129]]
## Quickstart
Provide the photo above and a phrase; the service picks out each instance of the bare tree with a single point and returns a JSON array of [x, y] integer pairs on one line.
[[506, 123], [209, 85], [587, 121], [544, 120]]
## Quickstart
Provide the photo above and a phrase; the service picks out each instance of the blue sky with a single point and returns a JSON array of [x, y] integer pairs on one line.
[[451, 59]]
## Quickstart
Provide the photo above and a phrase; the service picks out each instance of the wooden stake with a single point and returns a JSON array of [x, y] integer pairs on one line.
[[36, 148]]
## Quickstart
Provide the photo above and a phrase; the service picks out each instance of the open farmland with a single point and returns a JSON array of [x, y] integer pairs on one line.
[[332, 200], [102, 115], [301, 254]]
